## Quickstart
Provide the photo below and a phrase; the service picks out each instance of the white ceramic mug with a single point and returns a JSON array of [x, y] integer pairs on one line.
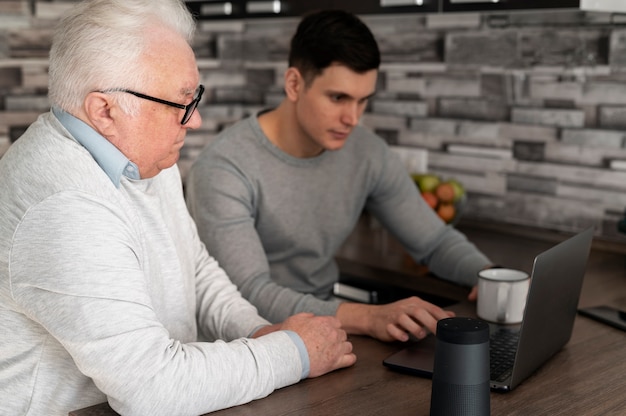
[[502, 295]]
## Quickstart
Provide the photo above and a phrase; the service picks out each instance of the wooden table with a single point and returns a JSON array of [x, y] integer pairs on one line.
[[587, 377]]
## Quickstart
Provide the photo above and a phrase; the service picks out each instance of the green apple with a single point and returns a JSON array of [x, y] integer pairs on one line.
[[428, 182], [458, 189]]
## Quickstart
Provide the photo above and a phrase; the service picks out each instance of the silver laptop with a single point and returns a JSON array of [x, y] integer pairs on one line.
[[551, 307]]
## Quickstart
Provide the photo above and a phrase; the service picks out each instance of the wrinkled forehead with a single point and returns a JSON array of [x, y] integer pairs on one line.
[[168, 58]]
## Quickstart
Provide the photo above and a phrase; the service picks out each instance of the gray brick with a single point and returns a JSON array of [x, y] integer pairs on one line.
[[224, 78], [548, 117], [495, 47], [388, 135], [475, 164], [536, 18], [474, 109], [404, 84], [617, 49], [479, 129], [452, 86], [385, 24], [529, 151], [598, 92], [435, 126], [593, 138], [482, 206], [612, 117], [421, 68], [52, 10], [237, 95], [18, 118], [35, 75], [10, 77], [454, 21], [608, 199], [401, 108], [567, 90], [30, 43], [9, 22], [530, 184], [27, 103], [574, 154], [421, 140], [496, 86], [584, 176], [551, 212], [384, 121], [240, 47], [260, 78], [591, 115], [15, 8], [221, 26], [558, 46], [410, 46], [529, 132]]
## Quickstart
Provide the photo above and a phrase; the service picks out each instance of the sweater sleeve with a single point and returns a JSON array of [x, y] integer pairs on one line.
[[87, 286], [397, 204], [224, 211]]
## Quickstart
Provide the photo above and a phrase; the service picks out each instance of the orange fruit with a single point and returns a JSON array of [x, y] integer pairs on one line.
[[430, 199], [446, 212], [445, 192]]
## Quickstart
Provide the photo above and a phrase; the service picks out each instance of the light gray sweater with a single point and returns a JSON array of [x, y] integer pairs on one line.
[[274, 222], [104, 292]]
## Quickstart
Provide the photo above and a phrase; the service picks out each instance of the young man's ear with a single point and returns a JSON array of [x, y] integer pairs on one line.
[[294, 83]]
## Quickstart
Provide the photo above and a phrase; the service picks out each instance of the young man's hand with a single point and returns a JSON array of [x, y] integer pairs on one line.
[[394, 321]]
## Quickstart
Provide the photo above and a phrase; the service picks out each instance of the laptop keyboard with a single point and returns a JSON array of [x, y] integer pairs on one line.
[[502, 348]]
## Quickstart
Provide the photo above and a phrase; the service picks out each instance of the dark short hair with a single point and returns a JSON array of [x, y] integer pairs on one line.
[[333, 36]]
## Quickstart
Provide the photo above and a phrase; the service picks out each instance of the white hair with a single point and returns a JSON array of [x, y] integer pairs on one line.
[[97, 46]]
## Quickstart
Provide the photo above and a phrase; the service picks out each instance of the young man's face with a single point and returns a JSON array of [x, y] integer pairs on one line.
[[330, 106]]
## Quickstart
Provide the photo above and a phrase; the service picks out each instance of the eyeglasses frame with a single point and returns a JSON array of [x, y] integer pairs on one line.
[[189, 108]]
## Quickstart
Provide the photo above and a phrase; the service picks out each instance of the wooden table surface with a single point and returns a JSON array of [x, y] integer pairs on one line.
[[587, 377]]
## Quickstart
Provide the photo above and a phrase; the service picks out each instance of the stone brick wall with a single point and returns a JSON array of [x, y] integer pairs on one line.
[[526, 109]]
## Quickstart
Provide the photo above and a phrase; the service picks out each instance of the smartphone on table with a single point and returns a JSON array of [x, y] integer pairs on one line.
[[606, 314]]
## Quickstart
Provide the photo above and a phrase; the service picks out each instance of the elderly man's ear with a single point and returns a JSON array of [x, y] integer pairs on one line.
[[100, 112]]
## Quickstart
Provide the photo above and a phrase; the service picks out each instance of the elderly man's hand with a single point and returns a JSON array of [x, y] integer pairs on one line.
[[325, 341]]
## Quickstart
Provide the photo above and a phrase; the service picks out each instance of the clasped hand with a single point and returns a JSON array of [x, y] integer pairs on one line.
[[326, 342]]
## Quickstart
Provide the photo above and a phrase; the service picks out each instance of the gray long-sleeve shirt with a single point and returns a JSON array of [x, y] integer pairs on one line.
[[105, 292], [274, 222]]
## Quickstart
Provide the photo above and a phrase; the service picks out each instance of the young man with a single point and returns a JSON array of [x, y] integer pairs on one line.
[[106, 291], [276, 194]]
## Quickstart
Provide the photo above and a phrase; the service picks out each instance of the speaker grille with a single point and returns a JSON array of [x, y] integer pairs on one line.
[[449, 399]]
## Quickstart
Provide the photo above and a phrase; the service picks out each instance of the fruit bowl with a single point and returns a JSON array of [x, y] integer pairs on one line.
[[446, 197]]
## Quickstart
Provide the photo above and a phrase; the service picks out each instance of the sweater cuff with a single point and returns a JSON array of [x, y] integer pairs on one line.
[[304, 354]]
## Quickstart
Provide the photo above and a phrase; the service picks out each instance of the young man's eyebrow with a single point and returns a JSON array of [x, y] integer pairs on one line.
[[367, 97]]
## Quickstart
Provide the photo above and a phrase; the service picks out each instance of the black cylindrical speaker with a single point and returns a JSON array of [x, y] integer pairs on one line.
[[461, 370]]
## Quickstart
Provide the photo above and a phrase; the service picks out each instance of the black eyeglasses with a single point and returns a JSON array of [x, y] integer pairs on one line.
[[189, 108]]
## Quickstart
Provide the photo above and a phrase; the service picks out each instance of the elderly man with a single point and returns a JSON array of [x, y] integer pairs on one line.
[[106, 292]]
